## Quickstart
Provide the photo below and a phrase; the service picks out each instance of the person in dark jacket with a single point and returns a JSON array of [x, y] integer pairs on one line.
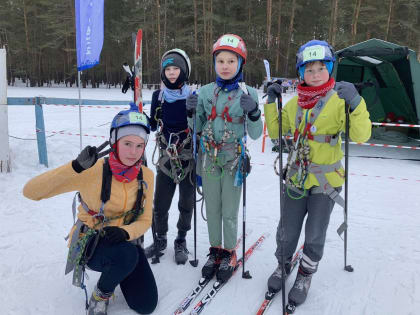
[[175, 163]]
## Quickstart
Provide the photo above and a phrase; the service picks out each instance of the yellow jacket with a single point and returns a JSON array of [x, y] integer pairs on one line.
[[89, 183], [331, 120]]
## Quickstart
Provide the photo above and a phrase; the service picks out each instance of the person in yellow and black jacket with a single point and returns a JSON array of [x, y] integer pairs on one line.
[[106, 230], [314, 174]]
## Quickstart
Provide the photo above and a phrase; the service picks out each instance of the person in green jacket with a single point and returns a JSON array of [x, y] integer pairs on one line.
[[219, 111], [314, 174]]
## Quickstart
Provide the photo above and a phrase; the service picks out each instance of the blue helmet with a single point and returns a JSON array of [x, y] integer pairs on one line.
[[315, 50], [130, 117]]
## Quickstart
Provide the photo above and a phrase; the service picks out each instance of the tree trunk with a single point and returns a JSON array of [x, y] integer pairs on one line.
[[292, 19], [355, 20], [28, 58], [391, 2], [205, 49], [211, 38], [164, 26], [278, 37], [249, 17], [269, 5], [334, 22], [158, 26], [195, 27]]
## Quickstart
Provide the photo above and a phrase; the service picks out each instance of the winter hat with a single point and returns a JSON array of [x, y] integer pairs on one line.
[[128, 130], [176, 60]]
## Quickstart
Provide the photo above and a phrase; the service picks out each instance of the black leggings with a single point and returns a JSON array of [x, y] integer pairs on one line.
[[125, 264]]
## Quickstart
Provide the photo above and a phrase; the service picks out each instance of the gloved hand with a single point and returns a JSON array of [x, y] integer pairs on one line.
[[347, 91], [247, 103], [192, 102], [273, 92], [86, 159], [129, 82], [114, 235]]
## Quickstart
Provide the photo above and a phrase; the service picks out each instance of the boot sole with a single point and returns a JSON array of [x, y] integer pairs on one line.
[[159, 254]]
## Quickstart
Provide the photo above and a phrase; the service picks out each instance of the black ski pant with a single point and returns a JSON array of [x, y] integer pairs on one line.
[[125, 264], [164, 192], [317, 207]]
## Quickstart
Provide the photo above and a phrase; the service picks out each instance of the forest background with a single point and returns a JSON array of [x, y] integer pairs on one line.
[[39, 35]]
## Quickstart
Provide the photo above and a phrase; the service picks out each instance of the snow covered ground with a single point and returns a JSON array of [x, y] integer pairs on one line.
[[383, 235]]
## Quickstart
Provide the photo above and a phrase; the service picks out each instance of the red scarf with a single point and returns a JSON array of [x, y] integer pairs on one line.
[[308, 96], [121, 172]]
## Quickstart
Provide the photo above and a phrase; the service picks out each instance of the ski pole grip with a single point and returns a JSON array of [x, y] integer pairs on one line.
[[102, 154], [102, 146]]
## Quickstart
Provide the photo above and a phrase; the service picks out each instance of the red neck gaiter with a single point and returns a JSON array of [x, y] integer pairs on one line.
[[121, 172], [308, 96]]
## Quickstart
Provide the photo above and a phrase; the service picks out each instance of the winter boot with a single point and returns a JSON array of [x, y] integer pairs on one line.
[[227, 265], [213, 262], [299, 291], [98, 303], [157, 247], [181, 251], [274, 282]]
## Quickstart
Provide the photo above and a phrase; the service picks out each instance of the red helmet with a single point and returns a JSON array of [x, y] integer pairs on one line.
[[231, 42]]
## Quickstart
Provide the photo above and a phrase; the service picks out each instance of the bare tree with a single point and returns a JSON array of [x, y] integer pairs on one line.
[[391, 2], [195, 27], [356, 13], [292, 20], [278, 36], [333, 21], [158, 25], [269, 5]]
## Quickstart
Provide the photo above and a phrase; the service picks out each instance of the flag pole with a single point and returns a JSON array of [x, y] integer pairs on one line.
[[80, 109]]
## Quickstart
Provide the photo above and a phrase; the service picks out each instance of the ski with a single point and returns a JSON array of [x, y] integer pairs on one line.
[[202, 283], [217, 286], [269, 296], [138, 99]]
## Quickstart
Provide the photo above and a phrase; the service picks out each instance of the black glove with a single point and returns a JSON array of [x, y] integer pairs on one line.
[[129, 82], [114, 235], [86, 159], [273, 92]]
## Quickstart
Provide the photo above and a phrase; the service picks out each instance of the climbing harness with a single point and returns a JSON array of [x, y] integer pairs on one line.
[[299, 165], [85, 239], [174, 153], [208, 144]]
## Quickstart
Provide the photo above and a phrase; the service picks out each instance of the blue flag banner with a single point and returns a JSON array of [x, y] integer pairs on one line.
[[89, 32]]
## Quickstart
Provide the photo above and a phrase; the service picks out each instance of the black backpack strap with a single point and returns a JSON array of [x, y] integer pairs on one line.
[[106, 181], [138, 203]]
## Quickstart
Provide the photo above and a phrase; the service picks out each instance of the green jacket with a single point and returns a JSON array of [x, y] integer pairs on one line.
[[204, 110], [331, 120]]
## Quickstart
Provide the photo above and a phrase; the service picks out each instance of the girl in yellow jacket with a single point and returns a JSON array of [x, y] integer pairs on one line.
[[116, 223], [314, 175]]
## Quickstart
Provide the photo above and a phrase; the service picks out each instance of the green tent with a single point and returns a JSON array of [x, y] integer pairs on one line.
[[395, 72]]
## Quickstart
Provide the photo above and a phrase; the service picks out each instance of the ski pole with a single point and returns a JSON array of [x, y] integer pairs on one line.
[[348, 268], [194, 262], [156, 254], [283, 271], [245, 274]]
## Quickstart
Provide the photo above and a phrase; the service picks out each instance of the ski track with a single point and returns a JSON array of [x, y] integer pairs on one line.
[[383, 235]]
